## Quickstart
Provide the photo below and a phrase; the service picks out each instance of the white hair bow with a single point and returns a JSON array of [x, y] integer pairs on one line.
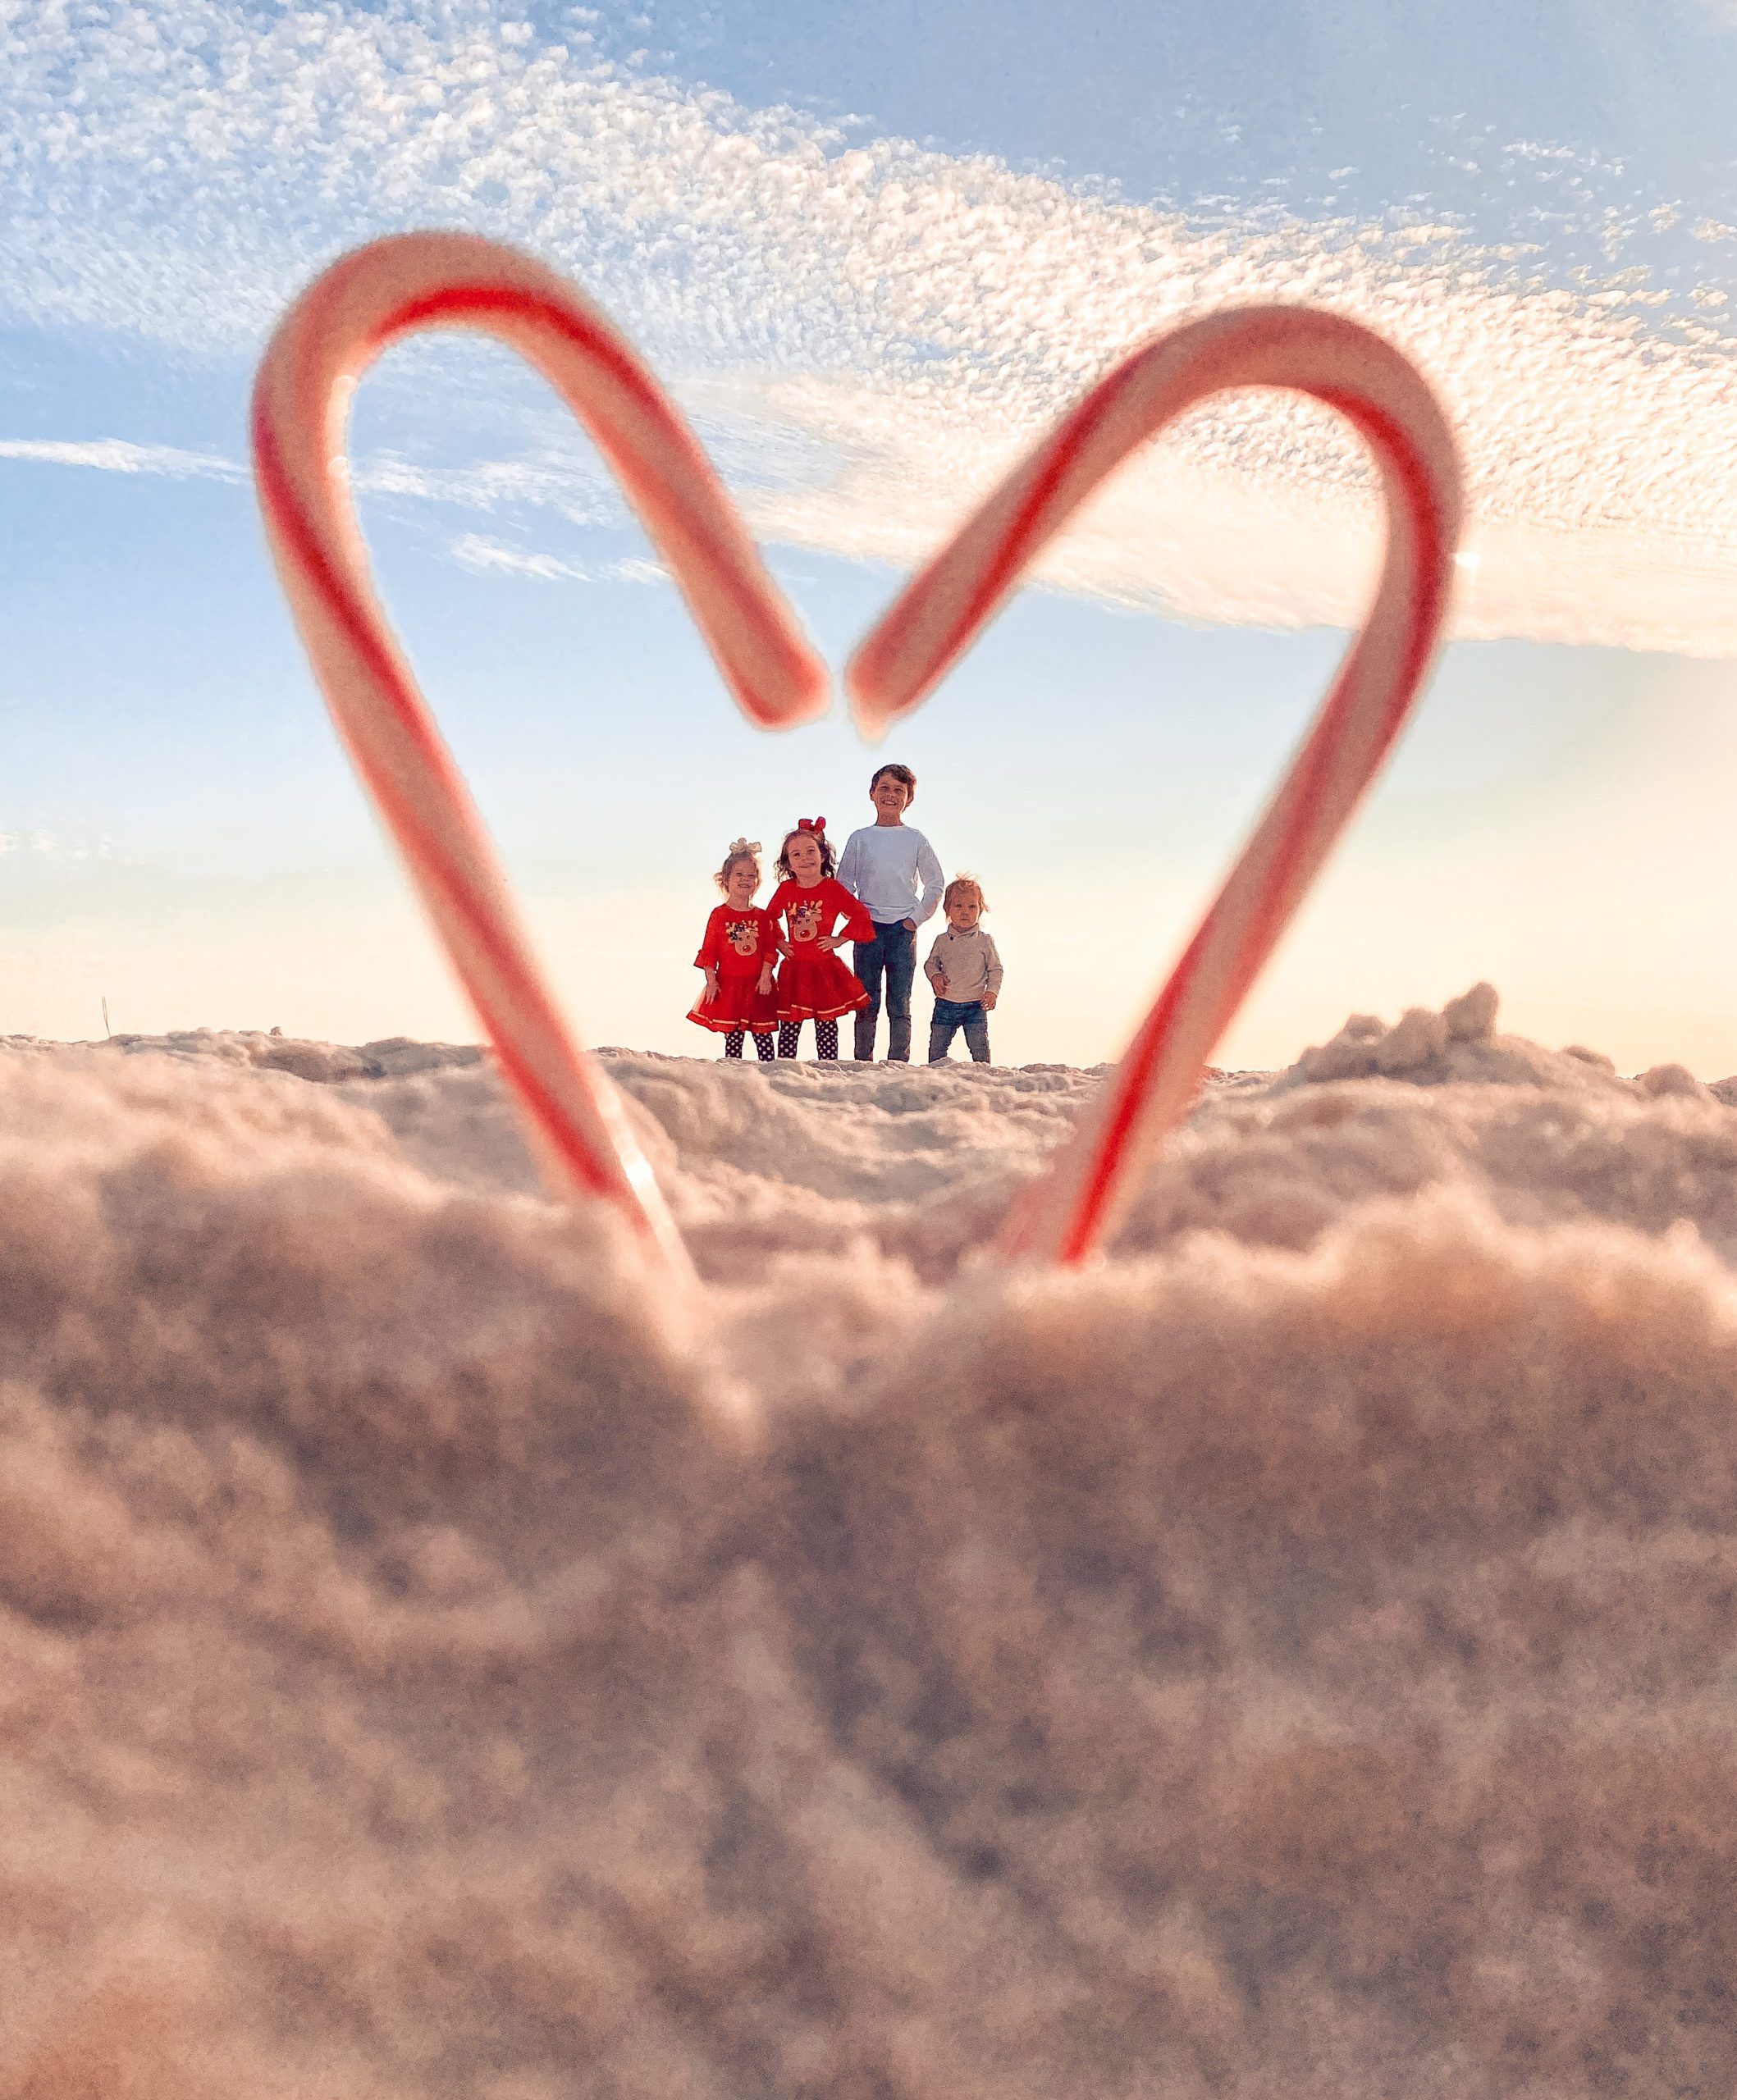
[[744, 846]]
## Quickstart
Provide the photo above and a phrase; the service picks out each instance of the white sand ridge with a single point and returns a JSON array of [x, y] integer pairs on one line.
[[1294, 1656]]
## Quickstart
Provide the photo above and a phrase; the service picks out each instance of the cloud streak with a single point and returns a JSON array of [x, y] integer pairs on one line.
[[871, 331], [117, 455], [483, 556]]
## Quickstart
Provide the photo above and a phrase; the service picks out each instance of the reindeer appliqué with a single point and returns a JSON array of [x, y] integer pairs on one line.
[[805, 922], [743, 936]]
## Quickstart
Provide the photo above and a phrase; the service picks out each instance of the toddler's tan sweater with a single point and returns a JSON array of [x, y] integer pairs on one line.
[[969, 963]]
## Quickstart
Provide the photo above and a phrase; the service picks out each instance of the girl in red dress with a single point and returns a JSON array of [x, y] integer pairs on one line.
[[812, 984], [737, 955]]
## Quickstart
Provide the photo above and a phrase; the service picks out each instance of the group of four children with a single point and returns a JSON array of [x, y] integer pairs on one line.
[[772, 969]]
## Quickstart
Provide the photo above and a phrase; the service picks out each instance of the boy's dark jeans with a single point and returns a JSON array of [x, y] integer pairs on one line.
[[951, 1015], [893, 953]]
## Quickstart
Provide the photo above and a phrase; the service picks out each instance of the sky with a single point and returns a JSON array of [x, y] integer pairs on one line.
[[874, 252]]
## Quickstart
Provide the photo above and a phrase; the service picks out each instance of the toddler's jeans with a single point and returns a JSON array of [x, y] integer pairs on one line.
[[949, 1016]]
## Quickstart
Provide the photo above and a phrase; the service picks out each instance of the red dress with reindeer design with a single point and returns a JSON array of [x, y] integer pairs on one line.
[[738, 945], [812, 984]]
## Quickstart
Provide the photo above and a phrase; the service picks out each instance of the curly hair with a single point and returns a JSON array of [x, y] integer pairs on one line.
[[828, 859], [735, 854], [962, 886]]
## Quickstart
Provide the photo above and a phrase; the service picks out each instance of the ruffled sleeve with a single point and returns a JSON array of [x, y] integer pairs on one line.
[[857, 923], [711, 947]]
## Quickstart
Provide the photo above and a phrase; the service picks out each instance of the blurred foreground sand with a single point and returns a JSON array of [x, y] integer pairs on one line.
[[1295, 1657]]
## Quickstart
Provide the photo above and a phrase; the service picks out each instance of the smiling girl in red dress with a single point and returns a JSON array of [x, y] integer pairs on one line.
[[737, 955], [812, 984]]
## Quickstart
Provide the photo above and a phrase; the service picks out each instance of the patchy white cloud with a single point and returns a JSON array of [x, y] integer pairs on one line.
[[873, 330], [481, 556], [575, 488], [117, 455], [484, 556], [24, 845]]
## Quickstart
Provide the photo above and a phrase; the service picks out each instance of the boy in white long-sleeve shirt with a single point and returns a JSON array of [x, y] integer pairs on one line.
[[891, 867]]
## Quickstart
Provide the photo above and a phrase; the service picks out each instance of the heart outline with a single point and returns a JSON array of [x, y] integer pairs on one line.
[[381, 292]]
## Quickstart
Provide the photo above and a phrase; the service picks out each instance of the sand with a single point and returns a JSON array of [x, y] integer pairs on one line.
[[1297, 1656]]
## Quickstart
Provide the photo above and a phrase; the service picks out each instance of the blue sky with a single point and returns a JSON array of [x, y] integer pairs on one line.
[[874, 251]]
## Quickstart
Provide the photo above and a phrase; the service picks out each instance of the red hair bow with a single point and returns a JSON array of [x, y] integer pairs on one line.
[[811, 823]]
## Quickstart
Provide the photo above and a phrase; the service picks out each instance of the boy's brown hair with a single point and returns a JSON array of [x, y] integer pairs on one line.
[[962, 886], [903, 774]]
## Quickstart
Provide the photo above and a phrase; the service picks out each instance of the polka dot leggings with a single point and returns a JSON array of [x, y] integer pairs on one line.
[[826, 1038], [762, 1045]]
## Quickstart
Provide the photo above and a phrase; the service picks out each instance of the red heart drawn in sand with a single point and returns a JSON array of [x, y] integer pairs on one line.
[[386, 290]]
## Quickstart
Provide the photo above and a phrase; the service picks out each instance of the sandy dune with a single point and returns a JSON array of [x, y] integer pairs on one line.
[[1297, 1657]]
